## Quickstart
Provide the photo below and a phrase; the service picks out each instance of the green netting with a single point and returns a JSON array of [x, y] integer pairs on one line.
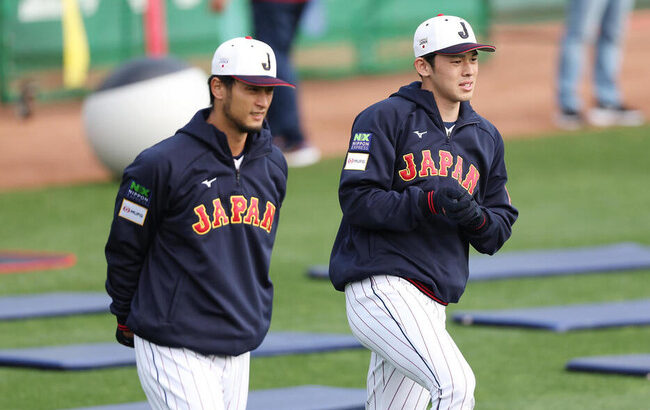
[[31, 45], [344, 37], [337, 37], [528, 10]]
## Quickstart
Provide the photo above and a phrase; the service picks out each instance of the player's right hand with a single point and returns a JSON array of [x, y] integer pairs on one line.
[[459, 206], [124, 335], [446, 200]]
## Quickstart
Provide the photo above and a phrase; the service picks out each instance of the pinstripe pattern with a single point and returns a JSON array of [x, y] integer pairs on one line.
[[414, 359], [178, 378]]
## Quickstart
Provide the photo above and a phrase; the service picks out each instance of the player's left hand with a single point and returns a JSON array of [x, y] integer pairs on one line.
[[124, 335], [467, 213]]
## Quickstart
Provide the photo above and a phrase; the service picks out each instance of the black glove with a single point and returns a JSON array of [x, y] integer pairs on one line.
[[468, 214], [444, 200], [458, 205], [124, 335]]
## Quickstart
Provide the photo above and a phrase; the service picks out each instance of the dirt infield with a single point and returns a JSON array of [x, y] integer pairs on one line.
[[515, 92]]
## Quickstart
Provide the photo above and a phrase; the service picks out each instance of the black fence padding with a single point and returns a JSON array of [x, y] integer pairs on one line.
[[140, 69]]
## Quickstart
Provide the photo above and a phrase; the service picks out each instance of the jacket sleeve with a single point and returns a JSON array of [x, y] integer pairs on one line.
[[365, 191], [280, 179], [496, 204], [138, 206]]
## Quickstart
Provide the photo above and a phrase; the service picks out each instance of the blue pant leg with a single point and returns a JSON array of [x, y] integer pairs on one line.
[[581, 25], [608, 51], [276, 24]]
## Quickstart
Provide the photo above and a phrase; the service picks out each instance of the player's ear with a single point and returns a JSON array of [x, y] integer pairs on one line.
[[217, 88], [422, 67]]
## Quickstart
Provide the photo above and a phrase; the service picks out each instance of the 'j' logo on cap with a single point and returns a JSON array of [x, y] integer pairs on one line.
[[464, 33], [267, 66]]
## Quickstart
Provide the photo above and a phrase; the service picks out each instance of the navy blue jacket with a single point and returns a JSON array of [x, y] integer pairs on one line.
[[398, 150], [190, 244]]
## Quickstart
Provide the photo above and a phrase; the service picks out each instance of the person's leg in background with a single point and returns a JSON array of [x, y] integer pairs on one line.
[[607, 66], [276, 23], [581, 25]]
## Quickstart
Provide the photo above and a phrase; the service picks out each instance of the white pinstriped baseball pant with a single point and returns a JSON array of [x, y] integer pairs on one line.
[[413, 357], [177, 378]]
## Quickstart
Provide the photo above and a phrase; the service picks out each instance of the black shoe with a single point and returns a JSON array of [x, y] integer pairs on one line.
[[569, 120]]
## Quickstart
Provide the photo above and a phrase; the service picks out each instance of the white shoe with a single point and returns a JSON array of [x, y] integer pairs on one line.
[[301, 156], [602, 116]]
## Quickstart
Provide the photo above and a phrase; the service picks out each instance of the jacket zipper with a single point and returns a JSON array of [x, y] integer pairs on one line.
[[457, 126], [247, 158], [238, 174], [238, 170]]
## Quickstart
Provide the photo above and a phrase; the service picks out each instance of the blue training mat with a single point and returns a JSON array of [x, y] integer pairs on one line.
[[630, 364], [564, 318], [101, 355], [288, 398], [52, 304], [608, 258]]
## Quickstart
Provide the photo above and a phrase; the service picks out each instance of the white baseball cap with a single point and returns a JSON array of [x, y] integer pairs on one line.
[[446, 35], [247, 60]]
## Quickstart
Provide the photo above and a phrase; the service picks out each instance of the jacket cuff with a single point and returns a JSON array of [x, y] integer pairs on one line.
[[426, 206], [482, 227], [123, 328]]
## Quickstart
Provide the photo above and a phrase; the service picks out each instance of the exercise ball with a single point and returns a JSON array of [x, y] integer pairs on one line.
[[139, 104]]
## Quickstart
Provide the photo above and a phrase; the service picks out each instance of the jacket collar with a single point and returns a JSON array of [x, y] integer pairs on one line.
[[257, 144], [424, 100]]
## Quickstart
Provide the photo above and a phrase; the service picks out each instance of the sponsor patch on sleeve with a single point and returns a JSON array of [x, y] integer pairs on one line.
[[138, 193], [356, 161], [133, 212], [361, 141]]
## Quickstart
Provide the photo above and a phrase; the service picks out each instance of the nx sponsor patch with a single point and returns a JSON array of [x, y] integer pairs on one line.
[[356, 161], [138, 193], [133, 212], [361, 141]]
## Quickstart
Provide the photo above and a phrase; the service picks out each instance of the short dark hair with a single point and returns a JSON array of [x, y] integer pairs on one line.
[[429, 58], [227, 81]]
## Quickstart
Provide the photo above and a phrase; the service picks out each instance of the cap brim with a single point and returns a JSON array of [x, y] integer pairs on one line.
[[262, 81], [464, 48]]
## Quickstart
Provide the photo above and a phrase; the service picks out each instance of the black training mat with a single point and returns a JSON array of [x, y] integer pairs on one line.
[[564, 318], [287, 398], [102, 355], [52, 304], [630, 364], [608, 258], [547, 262]]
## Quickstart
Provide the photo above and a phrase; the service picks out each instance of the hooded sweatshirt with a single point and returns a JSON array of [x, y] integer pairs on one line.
[[399, 149], [190, 244]]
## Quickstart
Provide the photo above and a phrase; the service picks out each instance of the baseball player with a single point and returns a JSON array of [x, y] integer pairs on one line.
[[424, 178], [276, 23], [190, 245]]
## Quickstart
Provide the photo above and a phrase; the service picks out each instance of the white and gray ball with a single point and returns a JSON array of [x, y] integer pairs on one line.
[[141, 103]]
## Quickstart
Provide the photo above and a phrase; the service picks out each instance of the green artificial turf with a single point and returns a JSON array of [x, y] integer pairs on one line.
[[575, 189]]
